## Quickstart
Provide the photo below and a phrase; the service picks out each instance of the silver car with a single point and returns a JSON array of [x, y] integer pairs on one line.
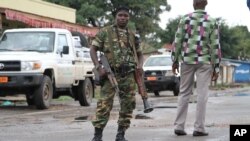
[[158, 75]]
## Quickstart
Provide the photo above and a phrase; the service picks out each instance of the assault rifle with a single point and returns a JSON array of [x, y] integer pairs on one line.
[[109, 72], [138, 78]]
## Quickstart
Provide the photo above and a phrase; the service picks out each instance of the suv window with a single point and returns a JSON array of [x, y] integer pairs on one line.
[[28, 41], [62, 41], [158, 61]]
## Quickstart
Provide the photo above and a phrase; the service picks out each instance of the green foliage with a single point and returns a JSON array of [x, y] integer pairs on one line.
[[235, 41], [168, 35], [243, 42], [63, 98], [144, 13], [227, 41]]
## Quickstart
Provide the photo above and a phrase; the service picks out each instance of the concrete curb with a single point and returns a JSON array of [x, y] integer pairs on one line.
[[228, 91]]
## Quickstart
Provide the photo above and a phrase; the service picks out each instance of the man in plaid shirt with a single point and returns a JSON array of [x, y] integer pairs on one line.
[[197, 48]]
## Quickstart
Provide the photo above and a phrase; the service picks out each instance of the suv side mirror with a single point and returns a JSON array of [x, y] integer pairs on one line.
[[65, 50]]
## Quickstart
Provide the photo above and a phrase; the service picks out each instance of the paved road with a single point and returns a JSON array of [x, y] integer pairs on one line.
[[67, 121]]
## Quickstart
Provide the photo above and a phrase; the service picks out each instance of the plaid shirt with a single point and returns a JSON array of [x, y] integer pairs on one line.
[[197, 40]]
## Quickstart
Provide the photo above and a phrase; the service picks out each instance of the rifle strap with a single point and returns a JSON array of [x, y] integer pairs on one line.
[[110, 36], [129, 39], [134, 51], [110, 40]]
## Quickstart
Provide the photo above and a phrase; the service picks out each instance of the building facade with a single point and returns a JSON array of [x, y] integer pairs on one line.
[[38, 13]]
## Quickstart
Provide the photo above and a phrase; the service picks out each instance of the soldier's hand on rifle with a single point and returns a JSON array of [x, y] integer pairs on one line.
[[101, 70]]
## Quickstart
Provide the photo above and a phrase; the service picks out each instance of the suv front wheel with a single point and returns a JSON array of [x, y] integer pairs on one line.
[[43, 94], [156, 93]]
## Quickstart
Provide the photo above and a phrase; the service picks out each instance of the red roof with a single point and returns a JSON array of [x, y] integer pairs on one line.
[[39, 21]]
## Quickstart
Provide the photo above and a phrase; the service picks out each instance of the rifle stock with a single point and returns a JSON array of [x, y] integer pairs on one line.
[[141, 90]]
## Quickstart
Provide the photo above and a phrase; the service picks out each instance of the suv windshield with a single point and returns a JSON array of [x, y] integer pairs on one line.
[[27, 41], [158, 61]]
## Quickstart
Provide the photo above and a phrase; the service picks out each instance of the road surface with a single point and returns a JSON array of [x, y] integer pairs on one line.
[[67, 121]]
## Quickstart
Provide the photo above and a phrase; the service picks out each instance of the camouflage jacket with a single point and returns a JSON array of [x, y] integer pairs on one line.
[[117, 45]]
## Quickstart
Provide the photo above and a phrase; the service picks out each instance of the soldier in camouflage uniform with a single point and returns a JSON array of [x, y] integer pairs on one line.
[[117, 43]]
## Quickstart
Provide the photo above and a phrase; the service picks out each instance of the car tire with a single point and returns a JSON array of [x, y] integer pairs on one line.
[[156, 93], [43, 94], [85, 92]]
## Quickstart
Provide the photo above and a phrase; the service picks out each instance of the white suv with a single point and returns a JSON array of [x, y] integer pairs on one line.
[[158, 75]]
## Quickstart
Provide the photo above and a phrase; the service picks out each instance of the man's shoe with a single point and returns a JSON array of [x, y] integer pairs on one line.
[[197, 133], [180, 132]]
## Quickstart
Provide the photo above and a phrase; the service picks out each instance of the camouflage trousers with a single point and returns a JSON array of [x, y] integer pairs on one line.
[[127, 88]]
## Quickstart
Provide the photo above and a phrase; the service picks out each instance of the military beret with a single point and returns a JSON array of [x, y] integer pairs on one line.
[[120, 8]]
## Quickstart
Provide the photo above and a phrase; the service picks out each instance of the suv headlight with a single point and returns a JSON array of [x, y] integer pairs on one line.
[[30, 65]]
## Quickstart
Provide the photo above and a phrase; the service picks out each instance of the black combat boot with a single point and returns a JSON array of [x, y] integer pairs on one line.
[[98, 134], [120, 134]]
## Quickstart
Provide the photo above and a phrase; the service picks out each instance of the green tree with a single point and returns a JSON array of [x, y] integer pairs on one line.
[[235, 42], [144, 13], [242, 45], [168, 35], [228, 41]]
